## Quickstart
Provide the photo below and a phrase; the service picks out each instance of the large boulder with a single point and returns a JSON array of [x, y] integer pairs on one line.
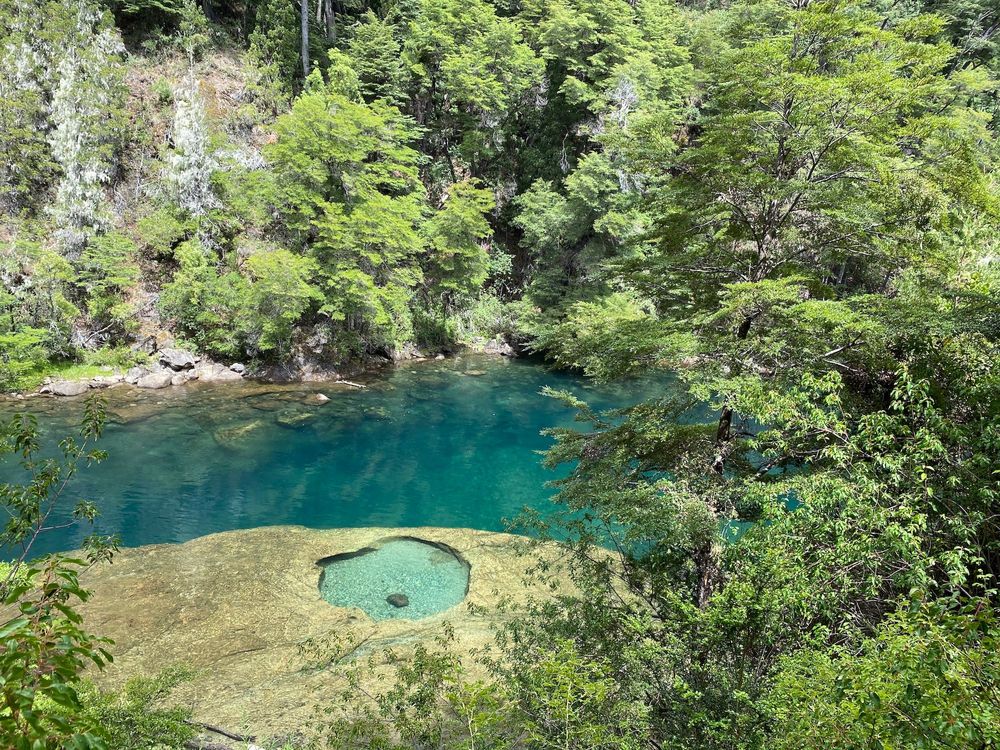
[[133, 375], [155, 380], [178, 359], [67, 388], [406, 351], [213, 372], [499, 346]]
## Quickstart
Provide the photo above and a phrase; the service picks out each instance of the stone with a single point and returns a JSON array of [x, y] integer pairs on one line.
[[155, 380], [499, 346], [398, 600], [439, 357], [133, 375], [405, 352], [181, 377], [178, 359], [238, 367], [67, 388], [106, 381], [322, 398], [147, 345], [230, 436], [213, 372], [294, 419], [475, 373]]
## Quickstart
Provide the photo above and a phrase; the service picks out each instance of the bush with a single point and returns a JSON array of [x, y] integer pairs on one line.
[[21, 353], [162, 231], [133, 718]]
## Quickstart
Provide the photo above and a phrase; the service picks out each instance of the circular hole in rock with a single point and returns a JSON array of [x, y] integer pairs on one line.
[[398, 578]]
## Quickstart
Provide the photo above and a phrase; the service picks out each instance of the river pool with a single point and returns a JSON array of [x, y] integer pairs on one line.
[[450, 443]]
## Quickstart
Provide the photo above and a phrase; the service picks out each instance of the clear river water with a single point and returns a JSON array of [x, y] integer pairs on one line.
[[442, 443]]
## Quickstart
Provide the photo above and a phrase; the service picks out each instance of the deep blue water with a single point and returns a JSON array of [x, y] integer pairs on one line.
[[452, 443]]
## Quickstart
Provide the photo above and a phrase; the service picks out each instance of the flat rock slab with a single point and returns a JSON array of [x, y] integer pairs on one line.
[[240, 605]]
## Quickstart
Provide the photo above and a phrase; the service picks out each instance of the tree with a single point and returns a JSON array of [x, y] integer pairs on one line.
[[823, 457], [106, 272], [457, 233], [44, 645], [235, 309], [618, 79], [926, 678], [470, 70], [374, 52], [83, 139], [274, 50], [349, 182], [191, 162]]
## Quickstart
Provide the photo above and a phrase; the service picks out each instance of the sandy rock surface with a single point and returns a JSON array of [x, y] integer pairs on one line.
[[240, 606]]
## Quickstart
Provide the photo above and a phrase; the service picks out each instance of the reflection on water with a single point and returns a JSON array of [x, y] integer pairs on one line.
[[450, 443]]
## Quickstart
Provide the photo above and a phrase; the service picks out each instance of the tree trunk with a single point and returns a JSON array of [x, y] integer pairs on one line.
[[206, 7], [330, 17], [305, 37], [723, 435]]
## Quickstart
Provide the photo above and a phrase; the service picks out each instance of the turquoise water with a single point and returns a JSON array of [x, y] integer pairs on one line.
[[452, 443], [432, 579]]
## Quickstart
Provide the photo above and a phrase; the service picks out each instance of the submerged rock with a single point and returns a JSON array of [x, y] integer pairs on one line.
[[398, 600], [230, 436], [294, 419]]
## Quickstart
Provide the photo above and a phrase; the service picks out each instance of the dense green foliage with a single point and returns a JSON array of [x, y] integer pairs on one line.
[[789, 206], [44, 644]]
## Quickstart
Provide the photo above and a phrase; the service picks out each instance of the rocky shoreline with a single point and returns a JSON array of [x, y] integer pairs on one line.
[[173, 367]]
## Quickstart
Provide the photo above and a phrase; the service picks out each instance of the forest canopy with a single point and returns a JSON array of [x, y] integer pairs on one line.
[[787, 206]]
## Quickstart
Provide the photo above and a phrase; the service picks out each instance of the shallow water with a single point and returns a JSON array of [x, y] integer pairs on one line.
[[452, 443], [432, 580]]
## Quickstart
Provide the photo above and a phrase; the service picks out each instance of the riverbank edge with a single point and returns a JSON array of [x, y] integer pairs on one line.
[[161, 373]]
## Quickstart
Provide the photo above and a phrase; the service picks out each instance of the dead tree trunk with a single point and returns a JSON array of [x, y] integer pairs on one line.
[[305, 37]]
